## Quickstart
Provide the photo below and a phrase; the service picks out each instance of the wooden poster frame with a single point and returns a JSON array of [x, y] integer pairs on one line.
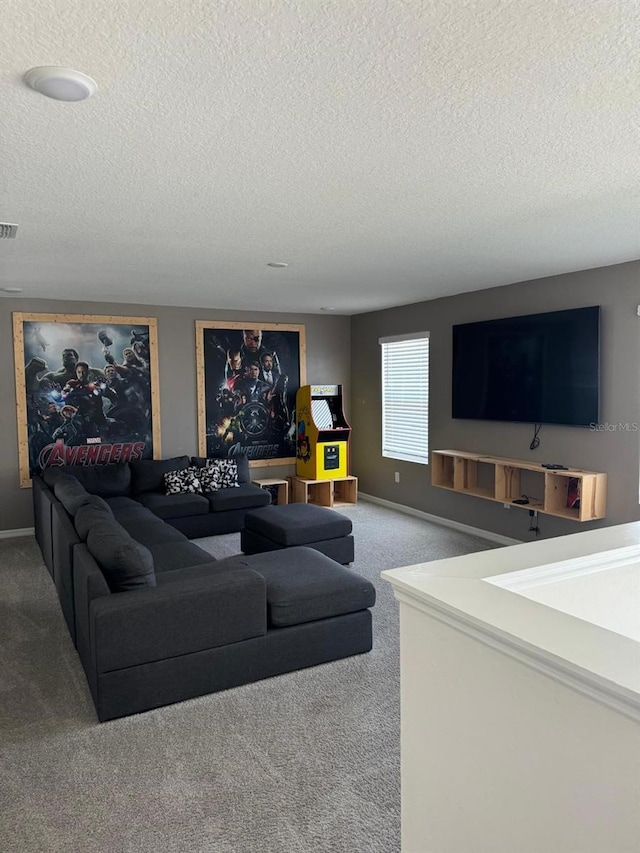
[[201, 327], [20, 318]]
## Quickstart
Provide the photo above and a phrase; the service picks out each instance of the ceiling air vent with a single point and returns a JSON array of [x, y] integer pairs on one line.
[[7, 230]]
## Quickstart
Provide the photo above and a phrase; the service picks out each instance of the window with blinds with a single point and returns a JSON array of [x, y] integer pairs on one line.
[[405, 397]]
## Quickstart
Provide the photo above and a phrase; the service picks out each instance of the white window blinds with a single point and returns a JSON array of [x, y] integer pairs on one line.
[[405, 397]]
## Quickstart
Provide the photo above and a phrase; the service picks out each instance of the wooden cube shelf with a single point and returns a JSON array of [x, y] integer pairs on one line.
[[342, 491], [281, 486]]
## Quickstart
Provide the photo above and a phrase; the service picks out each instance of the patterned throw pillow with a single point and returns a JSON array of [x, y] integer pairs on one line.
[[208, 479], [186, 481], [219, 474]]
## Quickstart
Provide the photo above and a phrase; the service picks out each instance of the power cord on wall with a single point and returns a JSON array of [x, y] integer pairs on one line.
[[533, 515], [535, 441], [533, 522]]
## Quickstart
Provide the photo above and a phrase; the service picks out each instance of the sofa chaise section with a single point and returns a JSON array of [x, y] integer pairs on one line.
[[211, 627]]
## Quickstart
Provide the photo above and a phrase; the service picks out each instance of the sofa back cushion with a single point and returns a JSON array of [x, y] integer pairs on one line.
[[70, 493], [106, 481], [125, 563], [241, 460], [148, 475], [93, 511], [50, 475]]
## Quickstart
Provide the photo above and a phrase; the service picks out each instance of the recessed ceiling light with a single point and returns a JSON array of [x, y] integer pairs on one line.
[[62, 84], [12, 289], [277, 264], [328, 309]]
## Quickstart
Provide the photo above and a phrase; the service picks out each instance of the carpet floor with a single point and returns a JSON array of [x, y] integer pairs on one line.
[[306, 762]]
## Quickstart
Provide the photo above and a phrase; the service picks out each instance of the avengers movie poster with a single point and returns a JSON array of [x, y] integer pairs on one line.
[[86, 390], [248, 376]]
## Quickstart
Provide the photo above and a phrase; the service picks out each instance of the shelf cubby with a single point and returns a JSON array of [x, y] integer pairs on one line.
[[345, 491], [306, 491], [442, 471], [341, 491], [280, 486]]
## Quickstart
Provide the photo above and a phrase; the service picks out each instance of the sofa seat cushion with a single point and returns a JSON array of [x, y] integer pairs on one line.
[[297, 524], [125, 564], [173, 556], [121, 502], [148, 475], [152, 531], [191, 572], [244, 496], [129, 517], [174, 506], [127, 510], [107, 481], [304, 585]]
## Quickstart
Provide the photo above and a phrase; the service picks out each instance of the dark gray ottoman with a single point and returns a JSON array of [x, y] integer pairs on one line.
[[273, 527]]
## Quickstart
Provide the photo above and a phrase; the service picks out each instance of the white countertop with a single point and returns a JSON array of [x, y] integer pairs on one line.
[[485, 595]]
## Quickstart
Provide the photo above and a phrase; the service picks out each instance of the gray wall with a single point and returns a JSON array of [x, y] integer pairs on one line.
[[340, 349], [328, 360], [616, 289]]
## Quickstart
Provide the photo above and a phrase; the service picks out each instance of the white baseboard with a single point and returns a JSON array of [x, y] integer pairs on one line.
[[445, 522], [20, 531]]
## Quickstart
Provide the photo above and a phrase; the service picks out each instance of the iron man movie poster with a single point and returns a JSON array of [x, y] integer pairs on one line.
[[86, 390]]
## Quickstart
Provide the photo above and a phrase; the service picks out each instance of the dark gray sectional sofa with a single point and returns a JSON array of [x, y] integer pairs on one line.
[[156, 619]]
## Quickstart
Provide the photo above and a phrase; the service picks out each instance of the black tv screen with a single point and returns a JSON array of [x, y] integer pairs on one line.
[[540, 368]]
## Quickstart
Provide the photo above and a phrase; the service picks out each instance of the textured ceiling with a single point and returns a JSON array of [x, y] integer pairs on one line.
[[390, 151]]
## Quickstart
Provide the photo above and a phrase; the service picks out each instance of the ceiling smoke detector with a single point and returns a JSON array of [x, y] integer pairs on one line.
[[8, 230]]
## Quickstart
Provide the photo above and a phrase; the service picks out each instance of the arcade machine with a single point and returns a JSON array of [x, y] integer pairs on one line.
[[322, 438]]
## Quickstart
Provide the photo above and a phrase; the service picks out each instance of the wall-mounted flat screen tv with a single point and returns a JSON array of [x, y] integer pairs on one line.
[[539, 368]]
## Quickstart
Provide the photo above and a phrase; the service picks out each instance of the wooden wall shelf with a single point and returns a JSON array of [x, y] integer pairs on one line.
[[497, 479]]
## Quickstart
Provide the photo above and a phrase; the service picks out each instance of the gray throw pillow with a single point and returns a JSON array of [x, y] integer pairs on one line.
[[125, 563], [93, 511]]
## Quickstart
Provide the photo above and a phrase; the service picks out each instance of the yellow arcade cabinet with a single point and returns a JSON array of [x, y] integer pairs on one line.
[[322, 435]]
